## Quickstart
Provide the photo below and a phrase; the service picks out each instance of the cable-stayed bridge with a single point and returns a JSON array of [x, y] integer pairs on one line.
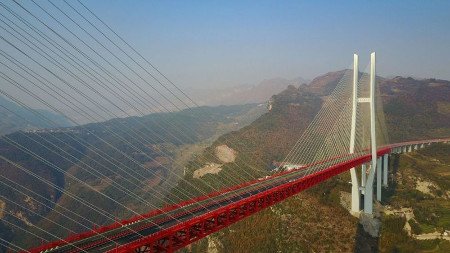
[[60, 56], [177, 226], [318, 155]]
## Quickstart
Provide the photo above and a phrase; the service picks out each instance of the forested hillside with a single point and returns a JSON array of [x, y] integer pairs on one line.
[[220, 147], [414, 109], [138, 155], [417, 213]]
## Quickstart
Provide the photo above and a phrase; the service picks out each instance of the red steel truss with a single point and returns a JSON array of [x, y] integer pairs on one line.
[[185, 233], [197, 227]]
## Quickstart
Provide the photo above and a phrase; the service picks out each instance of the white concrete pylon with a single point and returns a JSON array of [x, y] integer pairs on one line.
[[368, 196], [355, 205]]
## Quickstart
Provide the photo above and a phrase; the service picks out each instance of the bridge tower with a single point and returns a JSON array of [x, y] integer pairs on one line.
[[366, 182], [356, 195]]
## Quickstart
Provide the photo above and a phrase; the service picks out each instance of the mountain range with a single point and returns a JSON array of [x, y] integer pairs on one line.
[[244, 94], [14, 117], [414, 109]]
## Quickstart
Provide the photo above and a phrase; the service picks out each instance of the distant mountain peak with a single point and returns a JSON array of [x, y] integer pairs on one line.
[[14, 118], [245, 94], [324, 84]]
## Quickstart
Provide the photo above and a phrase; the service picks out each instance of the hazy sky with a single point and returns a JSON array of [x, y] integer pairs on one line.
[[199, 43]]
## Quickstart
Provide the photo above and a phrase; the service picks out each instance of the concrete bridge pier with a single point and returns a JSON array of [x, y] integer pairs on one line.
[[368, 191], [356, 194], [381, 172], [385, 170], [363, 175], [379, 164], [409, 148]]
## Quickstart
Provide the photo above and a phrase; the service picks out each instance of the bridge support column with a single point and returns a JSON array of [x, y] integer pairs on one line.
[[368, 191], [385, 170], [422, 145], [416, 147], [409, 148], [404, 149], [363, 174], [379, 179], [356, 195]]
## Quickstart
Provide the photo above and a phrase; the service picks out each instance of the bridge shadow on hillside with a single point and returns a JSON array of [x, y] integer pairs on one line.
[[365, 243]]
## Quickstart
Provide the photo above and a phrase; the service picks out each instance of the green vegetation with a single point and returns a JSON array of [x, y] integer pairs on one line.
[[393, 236], [267, 139], [443, 108], [429, 201], [260, 142], [416, 109], [158, 137], [304, 223], [300, 224]]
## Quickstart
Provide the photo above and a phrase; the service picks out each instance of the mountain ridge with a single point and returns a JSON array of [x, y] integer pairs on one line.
[[268, 138], [244, 94], [15, 118], [425, 103]]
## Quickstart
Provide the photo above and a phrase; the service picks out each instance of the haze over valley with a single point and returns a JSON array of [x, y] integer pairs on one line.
[[224, 126]]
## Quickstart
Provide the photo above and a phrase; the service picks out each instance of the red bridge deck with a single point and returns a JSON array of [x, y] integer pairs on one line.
[[176, 226]]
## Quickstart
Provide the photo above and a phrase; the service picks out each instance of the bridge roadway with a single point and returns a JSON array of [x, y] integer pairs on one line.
[[108, 240], [125, 234]]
